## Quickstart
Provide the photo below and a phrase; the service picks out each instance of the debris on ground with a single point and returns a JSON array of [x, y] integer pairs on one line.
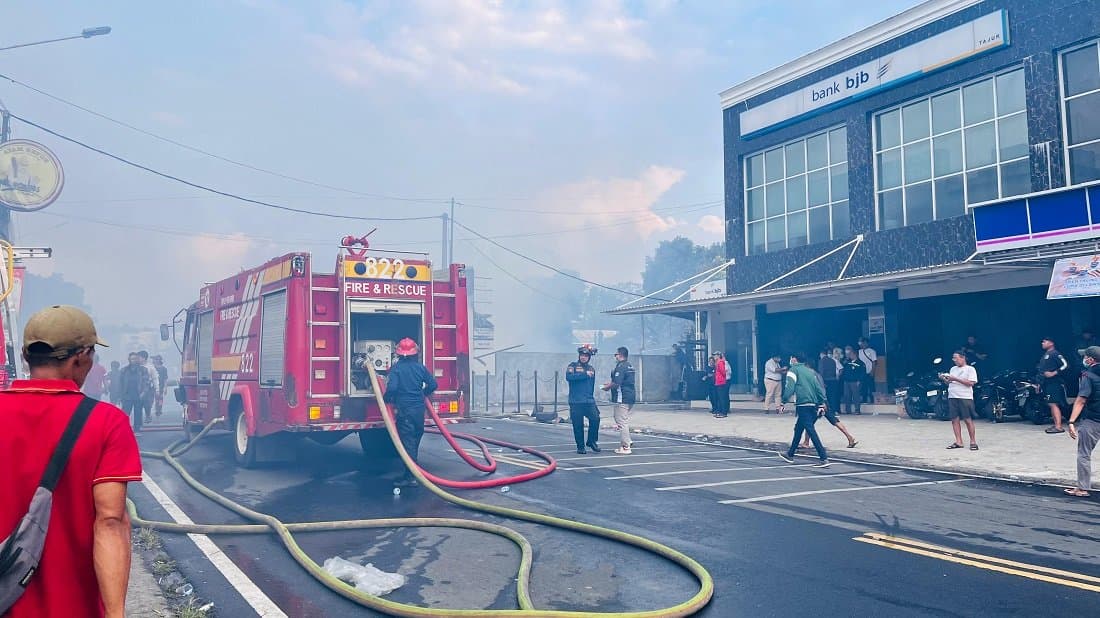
[[366, 578]]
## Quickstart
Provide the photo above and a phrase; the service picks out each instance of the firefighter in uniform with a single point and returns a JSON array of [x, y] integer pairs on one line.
[[581, 377], [408, 384]]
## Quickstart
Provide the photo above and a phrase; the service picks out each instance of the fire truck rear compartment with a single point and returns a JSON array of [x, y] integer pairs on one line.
[[374, 328]]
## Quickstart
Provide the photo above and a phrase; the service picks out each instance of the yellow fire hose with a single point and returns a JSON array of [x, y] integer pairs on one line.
[[267, 523]]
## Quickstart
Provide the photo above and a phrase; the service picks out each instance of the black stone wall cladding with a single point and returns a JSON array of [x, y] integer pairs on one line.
[[1038, 29]]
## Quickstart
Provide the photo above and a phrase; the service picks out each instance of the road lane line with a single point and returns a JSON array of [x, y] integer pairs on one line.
[[244, 586], [659, 463], [510, 460], [965, 554], [985, 562], [646, 448], [678, 472], [769, 480], [832, 491], [706, 452]]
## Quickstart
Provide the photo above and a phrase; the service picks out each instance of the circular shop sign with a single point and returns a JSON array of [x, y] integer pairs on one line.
[[31, 176]]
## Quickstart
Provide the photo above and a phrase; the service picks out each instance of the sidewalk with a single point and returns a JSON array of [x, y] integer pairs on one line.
[[1014, 450]]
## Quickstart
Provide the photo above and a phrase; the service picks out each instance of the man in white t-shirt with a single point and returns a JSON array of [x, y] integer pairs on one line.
[[773, 385], [960, 398], [868, 357]]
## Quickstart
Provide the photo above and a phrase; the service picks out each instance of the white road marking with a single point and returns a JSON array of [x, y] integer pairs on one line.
[[778, 478], [830, 491], [658, 463], [653, 474], [244, 586], [707, 452], [646, 449]]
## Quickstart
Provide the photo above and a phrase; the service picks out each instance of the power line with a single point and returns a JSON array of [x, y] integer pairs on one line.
[[306, 181], [549, 267], [693, 206], [516, 278], [210, 189], [214, 155]]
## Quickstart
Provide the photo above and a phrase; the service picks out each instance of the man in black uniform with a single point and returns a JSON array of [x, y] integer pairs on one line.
[[408, 383], [581, 377], [1052, 366]]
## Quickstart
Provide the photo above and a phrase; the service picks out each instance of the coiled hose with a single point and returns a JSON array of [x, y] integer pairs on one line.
[[267, 523]]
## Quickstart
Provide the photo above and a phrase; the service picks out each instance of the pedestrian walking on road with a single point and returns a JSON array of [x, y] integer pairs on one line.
[[773, 384], [134, 387], [95, 385], [154, 378], [1052, 369], [84, 566], [623, 395], [809, 405], [830, 415], [407, 384], [851, 378], [162, 383], [960, 398], [113, 383], [1084, 421], [581, 377]]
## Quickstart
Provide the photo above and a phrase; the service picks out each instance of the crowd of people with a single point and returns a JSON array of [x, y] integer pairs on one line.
[[138, 388]]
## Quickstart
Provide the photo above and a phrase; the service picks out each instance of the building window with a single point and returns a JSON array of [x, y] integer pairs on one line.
[[797, 193], [936, 155], [1081, 109]]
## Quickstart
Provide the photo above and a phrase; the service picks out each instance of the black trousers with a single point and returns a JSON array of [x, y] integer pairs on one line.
[[410, 428], [723, 397], [133, 409], [807, 417], [832, 395], [577, 413]]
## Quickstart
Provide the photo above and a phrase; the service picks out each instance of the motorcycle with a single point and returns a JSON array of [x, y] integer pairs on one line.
[[1001, 395], [1033, 403], [927, 394]]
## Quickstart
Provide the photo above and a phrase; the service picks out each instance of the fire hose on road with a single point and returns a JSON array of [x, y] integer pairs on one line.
[[269, 524]]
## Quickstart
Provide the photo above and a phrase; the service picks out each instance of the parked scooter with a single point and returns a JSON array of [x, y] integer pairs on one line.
[[1001, 395], [927, 394]]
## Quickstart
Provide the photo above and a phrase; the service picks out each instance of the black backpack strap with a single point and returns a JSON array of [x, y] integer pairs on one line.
[[65, 446]]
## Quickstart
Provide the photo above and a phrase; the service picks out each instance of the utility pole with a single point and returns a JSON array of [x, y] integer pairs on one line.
[[5, 212], [443, 247], [451, 236]]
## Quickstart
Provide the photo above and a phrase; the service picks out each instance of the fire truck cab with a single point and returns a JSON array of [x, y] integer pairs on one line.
[[281, 348]]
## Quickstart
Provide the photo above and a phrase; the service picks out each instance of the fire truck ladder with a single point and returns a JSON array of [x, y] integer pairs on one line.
[[324, 328]]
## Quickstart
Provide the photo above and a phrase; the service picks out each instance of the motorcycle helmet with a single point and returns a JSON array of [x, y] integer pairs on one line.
[[587, 350], [407, 347]]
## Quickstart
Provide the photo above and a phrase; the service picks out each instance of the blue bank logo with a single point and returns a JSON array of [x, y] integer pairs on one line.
[[885, 68]]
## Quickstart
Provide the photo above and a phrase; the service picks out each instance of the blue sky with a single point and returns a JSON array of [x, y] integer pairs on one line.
[[549, 118]]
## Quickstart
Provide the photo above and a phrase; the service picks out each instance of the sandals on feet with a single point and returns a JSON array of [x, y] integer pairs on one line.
[[1055, 430], [954, 445], [1076, 493], [973, 447]]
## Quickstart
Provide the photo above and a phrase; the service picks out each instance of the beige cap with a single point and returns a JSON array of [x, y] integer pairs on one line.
[[65, 329]]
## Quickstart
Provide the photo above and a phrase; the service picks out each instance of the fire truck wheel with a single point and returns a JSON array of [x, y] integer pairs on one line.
[[244, 445]]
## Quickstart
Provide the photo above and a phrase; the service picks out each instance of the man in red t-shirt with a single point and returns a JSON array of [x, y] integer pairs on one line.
[[96, 382], [85, 564]]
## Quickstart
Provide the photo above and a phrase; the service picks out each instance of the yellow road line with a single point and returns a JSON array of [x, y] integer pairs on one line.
[[981, 561]]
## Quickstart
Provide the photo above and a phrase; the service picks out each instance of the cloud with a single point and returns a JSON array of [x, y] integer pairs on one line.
[[614, 220], [712, 224], [504, 48]]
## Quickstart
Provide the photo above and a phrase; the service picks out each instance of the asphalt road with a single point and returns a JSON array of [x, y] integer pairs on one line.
[[779, 539]]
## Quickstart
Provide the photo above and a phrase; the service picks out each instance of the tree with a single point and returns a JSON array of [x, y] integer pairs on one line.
[[677, 259], [41, 292]]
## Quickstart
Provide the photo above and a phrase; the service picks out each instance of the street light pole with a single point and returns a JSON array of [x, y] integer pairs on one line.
[[5, 117], [87, 33]]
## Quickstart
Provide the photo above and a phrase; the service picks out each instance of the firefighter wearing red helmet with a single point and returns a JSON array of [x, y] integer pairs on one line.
[[581, 376], [409, 382]]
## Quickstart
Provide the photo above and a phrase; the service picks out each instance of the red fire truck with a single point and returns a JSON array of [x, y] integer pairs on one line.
[[281, 348]]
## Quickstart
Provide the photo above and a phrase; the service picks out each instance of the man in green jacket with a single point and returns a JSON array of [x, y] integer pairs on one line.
[[809, 405]]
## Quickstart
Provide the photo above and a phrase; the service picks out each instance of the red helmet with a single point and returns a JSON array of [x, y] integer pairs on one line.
[[407, 347]]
